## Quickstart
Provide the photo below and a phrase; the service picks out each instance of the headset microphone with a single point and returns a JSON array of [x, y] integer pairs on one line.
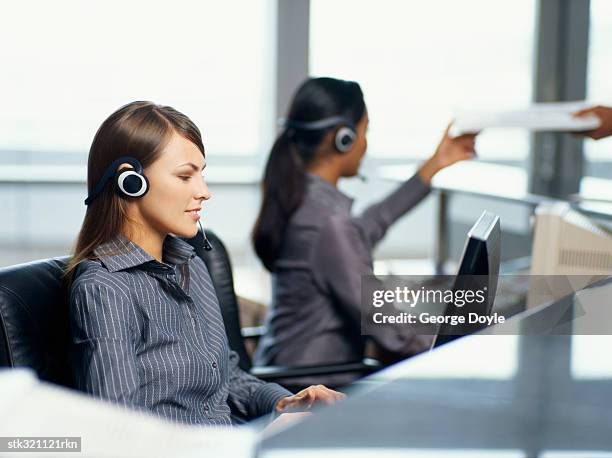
[[206, 244]]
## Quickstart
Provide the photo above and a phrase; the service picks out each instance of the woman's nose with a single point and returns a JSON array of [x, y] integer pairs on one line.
[[203, 192]]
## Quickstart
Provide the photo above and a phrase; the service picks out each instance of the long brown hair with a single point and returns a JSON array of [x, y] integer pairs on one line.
[[140, 130]]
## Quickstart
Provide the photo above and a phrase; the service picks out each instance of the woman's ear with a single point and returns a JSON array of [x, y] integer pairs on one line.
[[125, 165]]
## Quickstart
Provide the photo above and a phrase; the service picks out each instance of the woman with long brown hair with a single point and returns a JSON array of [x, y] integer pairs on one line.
[[146, 326]]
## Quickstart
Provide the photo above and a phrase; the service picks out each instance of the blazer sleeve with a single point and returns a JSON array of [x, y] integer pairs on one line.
[[376, 219]]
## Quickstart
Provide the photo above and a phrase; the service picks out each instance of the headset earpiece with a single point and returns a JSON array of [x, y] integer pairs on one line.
[[345, 135], [130, 183], [345, 138]]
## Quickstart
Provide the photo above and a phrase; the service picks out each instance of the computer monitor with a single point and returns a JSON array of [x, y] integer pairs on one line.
[[569, 253], [479, 270]]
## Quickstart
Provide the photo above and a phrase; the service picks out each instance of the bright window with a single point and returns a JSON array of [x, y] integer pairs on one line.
[[419, 62], [67, 64]]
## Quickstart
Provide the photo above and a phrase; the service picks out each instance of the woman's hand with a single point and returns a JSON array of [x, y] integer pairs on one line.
[[449, 151], [305, 399], [605, 116]]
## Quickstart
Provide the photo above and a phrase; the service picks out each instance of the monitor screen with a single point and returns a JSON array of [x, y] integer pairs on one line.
[[478, 270]]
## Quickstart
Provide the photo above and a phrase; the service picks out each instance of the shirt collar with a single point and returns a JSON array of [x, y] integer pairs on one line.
[[326, 192], [121, 253]]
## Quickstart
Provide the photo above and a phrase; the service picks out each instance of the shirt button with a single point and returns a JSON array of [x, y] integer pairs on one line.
[[206, 409], [214, 364]]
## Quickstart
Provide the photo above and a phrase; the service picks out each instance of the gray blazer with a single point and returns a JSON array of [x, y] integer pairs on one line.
[[315, 317]]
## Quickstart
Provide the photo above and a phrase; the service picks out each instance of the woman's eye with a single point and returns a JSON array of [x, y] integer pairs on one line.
[[185, 178]]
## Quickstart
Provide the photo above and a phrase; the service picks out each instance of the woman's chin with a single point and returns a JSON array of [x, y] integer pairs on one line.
[[186, 232]]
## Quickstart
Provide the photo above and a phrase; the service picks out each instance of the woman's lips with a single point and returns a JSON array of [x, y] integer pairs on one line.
[[194, 215]]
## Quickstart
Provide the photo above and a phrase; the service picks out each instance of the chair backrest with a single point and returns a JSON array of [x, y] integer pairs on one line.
[[34, 325], [34, 320]]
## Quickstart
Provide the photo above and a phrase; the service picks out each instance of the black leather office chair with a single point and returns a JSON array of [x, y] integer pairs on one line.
[[34, 324]]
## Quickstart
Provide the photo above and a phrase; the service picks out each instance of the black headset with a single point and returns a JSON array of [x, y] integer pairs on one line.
[[345, 135], [129, 182]]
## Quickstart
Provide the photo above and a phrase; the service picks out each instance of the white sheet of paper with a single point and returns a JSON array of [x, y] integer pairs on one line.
[[556, 116], [32, 408]]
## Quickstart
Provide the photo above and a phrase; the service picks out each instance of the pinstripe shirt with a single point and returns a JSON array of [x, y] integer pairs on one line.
[[150, 335]]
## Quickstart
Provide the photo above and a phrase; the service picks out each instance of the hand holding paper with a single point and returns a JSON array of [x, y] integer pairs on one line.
[[605, 116], [557, 116]]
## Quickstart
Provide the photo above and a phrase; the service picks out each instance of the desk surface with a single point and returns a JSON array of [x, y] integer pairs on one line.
[[505, 183], [485, 395]]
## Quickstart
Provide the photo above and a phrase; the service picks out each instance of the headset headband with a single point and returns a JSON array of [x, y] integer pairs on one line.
[[110, 173], [317, 125]]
